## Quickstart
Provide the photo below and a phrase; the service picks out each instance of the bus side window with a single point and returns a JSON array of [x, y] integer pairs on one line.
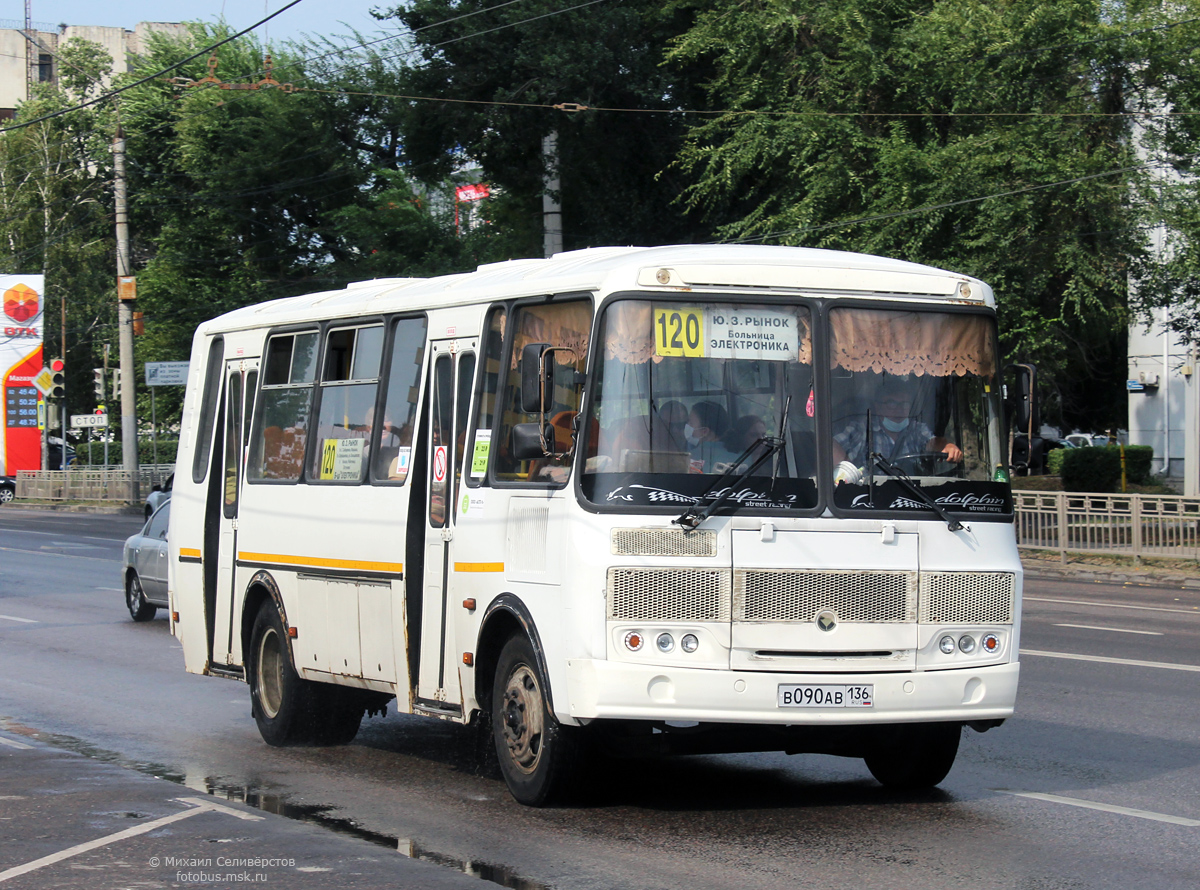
[[391, 442], [281, 425], [346, 417], [208, 409], [489, 382], [565, 324]]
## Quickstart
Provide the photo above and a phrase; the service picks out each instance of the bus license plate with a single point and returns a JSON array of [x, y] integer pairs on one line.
[[826, 696]]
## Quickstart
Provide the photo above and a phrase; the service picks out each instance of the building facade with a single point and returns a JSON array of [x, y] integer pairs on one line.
[[18, 67]]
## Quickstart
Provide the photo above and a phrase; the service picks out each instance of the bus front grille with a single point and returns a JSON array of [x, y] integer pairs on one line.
[[652, 594], [877, 597], [663, 542], [967, 597]]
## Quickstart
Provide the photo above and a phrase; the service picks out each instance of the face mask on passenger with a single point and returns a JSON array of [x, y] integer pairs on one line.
[[895, 426]]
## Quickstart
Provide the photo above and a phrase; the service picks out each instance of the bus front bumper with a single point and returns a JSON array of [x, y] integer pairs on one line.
[[613, 690]]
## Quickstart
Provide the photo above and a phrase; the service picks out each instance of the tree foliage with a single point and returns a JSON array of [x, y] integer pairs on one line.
[[966, 134]]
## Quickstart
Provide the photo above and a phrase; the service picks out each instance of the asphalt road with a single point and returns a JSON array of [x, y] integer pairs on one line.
[[1095, 784]]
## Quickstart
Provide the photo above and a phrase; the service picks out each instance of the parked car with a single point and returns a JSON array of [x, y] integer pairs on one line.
[[144, 566], [8, 489], [1035, 464], [54, 453], [159, 495]]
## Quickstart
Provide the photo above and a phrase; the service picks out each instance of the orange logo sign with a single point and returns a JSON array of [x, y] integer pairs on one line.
[[20, 303]]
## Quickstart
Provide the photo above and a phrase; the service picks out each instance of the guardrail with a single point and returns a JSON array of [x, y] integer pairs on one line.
[[1133, 525], [88, 483]]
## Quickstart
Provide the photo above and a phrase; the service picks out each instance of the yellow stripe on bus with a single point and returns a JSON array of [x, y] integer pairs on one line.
[[189, 553], [479, 567], [321, 562]]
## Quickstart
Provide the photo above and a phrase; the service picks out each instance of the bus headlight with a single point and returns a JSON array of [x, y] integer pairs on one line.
[[966, 643], [665, 642], [689, 643], [946, 644]]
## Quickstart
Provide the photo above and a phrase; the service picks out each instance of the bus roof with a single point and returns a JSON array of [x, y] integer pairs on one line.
[[670, 269]]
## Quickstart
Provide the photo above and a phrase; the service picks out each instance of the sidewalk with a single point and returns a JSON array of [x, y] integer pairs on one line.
[[68, 821], [1110, 570]]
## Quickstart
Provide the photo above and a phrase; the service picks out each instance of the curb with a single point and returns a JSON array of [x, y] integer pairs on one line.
[[103, 509]]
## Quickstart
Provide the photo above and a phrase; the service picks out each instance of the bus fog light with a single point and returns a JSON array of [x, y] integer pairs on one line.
[[946, 644], [665, 642], [689, 643], [634, 641], [990, 643], [966, 643]]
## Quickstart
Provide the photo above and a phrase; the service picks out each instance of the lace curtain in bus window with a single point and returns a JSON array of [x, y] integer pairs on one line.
[[281, 427], [918, 343]]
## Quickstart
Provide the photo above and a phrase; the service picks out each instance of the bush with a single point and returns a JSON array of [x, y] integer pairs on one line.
[[1054, 461], [1099, 468], [166, 452]]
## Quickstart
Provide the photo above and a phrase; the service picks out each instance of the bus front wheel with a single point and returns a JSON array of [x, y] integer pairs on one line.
[[536, 753], [916, 756], [283, 703]]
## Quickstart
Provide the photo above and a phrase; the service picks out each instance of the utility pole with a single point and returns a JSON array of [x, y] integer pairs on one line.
[[552, 238], [125, 295]]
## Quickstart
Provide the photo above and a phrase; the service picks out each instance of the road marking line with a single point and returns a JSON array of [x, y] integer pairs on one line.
[[114, 589], [40, 552], [1116, 630], [200, 806], [1042, 599], [22, 620], [18, 745], [1126, 661], [1104, 807]]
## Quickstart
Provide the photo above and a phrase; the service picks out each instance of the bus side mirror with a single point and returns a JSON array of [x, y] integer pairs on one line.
[[536, 394], [1021, 403]]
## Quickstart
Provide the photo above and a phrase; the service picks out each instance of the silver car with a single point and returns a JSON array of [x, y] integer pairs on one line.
[[144, 566]]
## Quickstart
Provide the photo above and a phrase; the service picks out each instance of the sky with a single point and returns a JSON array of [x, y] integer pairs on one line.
[[317, 17]]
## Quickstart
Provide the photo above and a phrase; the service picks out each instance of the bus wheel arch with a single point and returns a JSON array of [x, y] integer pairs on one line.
[[262, 588], [505, 617]]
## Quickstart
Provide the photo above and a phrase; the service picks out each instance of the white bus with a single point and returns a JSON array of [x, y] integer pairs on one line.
[[691, 498]]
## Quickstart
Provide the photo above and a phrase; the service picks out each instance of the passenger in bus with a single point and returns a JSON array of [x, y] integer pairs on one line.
[[895, 431], [707, 423], [745, 432]]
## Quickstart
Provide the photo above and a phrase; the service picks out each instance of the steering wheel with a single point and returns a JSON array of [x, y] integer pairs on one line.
[[924, 463]]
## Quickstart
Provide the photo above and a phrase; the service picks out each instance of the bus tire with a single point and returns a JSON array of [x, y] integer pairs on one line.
[[135, 600], [915, 757], [283, 704], [536, 753]]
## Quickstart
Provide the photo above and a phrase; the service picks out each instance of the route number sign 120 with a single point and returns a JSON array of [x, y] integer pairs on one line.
[[678, 330]]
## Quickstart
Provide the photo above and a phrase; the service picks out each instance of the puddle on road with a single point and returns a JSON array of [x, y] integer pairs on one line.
[[277, 803]]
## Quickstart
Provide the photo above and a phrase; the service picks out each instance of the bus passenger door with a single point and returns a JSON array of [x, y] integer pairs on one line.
[[451, 378], [224, 497]]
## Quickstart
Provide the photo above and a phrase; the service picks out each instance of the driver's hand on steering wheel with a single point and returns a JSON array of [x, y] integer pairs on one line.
[[953, 452]]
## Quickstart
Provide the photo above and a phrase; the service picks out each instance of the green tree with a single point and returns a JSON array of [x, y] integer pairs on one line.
[[490, 78], [966, 134]]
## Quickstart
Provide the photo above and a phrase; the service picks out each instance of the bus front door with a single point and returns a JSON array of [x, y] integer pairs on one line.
[[451, 378]]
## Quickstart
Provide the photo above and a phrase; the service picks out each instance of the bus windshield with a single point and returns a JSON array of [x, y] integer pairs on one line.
[[687, 396], [687, 393]]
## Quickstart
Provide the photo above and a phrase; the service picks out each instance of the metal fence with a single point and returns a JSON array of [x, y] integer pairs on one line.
[[88, 483], [1134, 525]]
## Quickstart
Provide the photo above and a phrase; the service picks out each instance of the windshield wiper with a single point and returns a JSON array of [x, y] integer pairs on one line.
[[904, 479], [693, 515]]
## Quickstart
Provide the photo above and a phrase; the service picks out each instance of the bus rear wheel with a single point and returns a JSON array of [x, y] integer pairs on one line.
[[283, 703], [536, 753], [916, 756]]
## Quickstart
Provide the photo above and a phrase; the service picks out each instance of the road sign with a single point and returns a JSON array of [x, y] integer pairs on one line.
[[82, 420], [166, 373], [44, 381]]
